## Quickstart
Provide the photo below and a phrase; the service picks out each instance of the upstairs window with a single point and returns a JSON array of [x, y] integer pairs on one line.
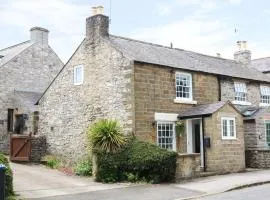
[[183, 86], [265, 94], [240, 91], [78, 75], [267, 128], [228, 128]]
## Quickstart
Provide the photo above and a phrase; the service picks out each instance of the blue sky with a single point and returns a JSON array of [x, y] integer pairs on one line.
[[204, 26]]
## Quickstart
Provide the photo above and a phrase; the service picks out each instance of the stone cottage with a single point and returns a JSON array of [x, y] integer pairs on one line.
[[252, 99], [170, 97], [26, 70]]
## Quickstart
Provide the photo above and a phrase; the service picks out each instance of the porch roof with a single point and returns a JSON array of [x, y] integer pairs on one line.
[[202, 110]]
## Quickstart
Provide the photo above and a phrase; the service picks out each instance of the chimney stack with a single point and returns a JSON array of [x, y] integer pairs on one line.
[[39, 35], [97, 25], [242, 55]]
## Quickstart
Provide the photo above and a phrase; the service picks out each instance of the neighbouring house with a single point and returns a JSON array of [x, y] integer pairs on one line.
[[180, 100], [26, 70]]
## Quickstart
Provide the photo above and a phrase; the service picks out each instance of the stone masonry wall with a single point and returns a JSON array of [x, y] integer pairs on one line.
[[155, 92], [224, 155], [258, 158], [251, 136], [66, 110], [188, 166], [31, 70]]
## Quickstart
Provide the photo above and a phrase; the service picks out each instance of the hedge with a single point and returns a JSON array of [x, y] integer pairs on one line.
[[9, 176], [137, 161]]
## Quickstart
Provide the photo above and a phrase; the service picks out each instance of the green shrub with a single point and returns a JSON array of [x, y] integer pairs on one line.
[[106, 135], [52, 161], [84, 167], [9, 176], [138, 161]]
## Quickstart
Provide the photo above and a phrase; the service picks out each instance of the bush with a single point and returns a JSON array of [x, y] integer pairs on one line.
[[84, 167], [52, 161], [106, 135], [9, 176], [138, 161]]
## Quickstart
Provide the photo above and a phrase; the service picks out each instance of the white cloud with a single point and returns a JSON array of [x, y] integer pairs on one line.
[[64, 20], [163, 9], [205, 36]]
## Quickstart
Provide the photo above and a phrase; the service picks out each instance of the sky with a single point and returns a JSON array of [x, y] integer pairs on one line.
[[203, 26]]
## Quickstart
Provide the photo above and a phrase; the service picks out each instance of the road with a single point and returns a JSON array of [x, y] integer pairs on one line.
[[143, 192], [261, 192]]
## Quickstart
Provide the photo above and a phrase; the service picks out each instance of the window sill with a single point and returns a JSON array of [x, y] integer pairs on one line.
[[243, 103], [229, 138], [264, 105], [184, 101], [78, 83]]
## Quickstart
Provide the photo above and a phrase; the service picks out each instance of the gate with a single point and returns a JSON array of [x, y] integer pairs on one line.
[[20, 147]]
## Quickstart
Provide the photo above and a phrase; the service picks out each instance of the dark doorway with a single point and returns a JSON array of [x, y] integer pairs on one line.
[[10, 120], [197, 138]]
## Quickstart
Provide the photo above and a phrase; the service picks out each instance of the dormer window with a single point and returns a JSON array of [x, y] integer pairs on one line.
[[240, 90], [265, 95], [1, 56]]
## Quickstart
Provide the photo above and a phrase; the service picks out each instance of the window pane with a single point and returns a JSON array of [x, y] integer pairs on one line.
[[225, 128], [183, 85], [232, 128], [240, 91], [78, 74], [267, 125], [165, 134]]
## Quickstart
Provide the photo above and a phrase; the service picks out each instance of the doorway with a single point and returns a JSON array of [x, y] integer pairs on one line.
[[195, 137]]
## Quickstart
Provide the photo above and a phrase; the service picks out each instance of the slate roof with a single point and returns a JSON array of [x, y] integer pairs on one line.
[[12, 51], [182, 59], [262, 64], [26, 99], [201, 110]]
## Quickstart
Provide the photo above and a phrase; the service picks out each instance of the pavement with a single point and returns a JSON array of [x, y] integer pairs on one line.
[[40, 182], [261, 192]]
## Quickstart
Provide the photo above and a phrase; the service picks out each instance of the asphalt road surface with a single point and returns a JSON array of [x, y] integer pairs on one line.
[[145, 192]]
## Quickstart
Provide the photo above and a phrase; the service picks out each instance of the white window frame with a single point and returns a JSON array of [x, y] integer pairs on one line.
[[75, 75], [265, 125], [188, 100], [228, 137], [240, 87], [265, 92], [174, 135]]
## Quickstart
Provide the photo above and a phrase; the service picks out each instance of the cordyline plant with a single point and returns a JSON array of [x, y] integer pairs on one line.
[[106, 135]]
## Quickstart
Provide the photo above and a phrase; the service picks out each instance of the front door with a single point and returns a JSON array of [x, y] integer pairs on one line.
[[197, 137]]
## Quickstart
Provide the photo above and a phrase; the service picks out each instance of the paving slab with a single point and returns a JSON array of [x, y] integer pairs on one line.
[[223, 183]]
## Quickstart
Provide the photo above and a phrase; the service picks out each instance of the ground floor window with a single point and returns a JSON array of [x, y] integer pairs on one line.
[[228, 128], [166, 135], [267, 127]]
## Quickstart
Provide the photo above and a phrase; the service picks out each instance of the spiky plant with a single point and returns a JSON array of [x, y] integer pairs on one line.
[[106, 135]]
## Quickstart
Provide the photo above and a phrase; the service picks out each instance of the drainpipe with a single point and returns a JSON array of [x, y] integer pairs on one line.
[[204, 156]]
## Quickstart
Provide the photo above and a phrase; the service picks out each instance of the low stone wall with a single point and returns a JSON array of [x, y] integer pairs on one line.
[[38, 148], [188, 166], [258, 158], [4, 143]]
